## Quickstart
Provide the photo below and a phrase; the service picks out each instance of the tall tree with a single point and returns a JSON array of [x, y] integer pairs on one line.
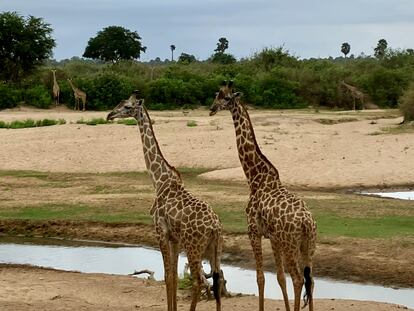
[[345, 48], [114, 43], [24, 44], [381, 49], [222, 45], [172, 47]]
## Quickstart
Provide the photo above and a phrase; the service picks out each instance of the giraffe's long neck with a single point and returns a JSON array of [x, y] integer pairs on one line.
[[255, 165], [54, 78], [74, 89], [160, 171]]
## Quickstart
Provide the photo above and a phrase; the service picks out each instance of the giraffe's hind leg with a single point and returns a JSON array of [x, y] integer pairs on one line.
[[281, 278], [256, 243], [297, 278], [195, 269]]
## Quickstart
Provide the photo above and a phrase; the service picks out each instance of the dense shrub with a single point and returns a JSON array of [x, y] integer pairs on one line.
[[9, 96], [271, 78], [38, 96], [106, 90]]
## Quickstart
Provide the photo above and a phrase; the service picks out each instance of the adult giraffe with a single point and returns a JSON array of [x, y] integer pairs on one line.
[[180, 218], [272, 211]]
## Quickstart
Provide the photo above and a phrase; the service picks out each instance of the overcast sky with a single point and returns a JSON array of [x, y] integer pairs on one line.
[[307, 28]]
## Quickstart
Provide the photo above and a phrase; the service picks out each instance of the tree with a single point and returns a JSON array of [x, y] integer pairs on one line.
[[220, 56], [345, 48], [114, 43], [172, 47], [222, 45], [186, 58], [24, 44], [381, 49]]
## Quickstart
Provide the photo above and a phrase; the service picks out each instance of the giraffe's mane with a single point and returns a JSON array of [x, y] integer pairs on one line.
[[172, 168], [259, 152]]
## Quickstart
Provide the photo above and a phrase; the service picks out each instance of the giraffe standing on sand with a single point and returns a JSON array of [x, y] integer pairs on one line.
[[56, 89], [180, 218], [79, 96], [272, 211]]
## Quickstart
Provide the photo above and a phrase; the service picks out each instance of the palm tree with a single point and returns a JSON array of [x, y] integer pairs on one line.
[[172, 47], [346, 48]]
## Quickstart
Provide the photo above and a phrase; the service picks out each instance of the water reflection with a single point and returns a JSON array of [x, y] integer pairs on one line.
[[125, 259], [403, 195]]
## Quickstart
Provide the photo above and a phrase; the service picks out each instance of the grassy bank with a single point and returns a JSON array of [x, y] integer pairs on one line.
[[127, 197]]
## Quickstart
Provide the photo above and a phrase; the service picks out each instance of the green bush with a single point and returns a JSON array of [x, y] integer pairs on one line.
[[106, 90], [38, 96], [9, 96]]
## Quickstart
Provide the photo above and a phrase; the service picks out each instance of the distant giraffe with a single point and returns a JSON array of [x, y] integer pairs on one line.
[[79, 96], [272, 211], [56, 89], [180, 218]]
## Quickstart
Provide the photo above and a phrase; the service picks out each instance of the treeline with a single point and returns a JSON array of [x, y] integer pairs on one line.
[[272, 78]]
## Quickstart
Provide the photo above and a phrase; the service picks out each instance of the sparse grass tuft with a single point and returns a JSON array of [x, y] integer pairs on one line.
[[394, 130], [94, 121], [186, 282], [335, 121], [191, 123]]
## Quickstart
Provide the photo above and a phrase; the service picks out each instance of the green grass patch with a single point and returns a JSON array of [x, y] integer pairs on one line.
[[19, 124], [81, 212], [127, 197], [127, 121], [383, 227]]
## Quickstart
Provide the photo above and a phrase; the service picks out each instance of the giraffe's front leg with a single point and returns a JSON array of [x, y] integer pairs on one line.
[[166, 256], [256, 242]]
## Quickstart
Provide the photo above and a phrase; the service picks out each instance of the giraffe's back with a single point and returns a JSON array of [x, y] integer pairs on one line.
[[189, 219], [283, 217]]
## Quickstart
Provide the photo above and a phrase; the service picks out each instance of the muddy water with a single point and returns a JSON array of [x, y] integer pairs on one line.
[[124, 259]]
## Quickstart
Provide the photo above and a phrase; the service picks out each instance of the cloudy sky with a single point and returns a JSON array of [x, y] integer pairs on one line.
[[307, 28]]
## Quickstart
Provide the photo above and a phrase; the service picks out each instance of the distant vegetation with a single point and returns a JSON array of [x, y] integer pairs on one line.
[[271, 78], [17, 124]]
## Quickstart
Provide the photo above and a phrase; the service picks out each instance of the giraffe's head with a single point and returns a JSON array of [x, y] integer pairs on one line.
[[224, 97], [126, 108]]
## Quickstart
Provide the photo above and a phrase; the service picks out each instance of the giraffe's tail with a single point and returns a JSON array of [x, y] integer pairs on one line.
[[217, 271], [308, 286]]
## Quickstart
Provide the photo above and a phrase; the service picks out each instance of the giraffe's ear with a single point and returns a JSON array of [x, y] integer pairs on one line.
[[141, 102], [223, 83], [230, 84], [238, 94]]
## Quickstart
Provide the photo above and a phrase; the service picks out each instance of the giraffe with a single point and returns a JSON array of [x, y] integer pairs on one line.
[[272, 211], [79, 96], [180, 219], [56, 89]]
